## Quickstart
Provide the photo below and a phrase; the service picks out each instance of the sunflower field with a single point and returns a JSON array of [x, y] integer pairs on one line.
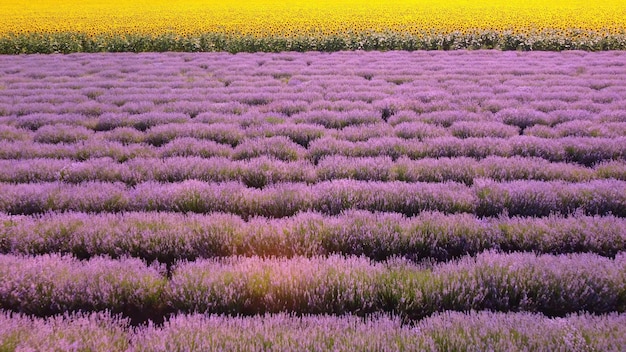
[[243, 25]]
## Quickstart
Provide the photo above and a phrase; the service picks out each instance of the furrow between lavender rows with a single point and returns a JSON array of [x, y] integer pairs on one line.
[[283, 332], [171, 237], [484, 198], [552, 285]]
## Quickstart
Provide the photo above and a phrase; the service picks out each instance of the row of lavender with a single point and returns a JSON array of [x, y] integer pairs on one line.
[[262, 171], [553, 108], [171, 237], [582, 150], [552, 285], [484, 331], [352, 127], [154, 127], [483, 198]]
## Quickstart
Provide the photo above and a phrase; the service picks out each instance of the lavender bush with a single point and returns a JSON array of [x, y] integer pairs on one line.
[[283, 332], [554, 285], [263, 170], [69, 332], [168, 237], [52, 284], [484, 198]]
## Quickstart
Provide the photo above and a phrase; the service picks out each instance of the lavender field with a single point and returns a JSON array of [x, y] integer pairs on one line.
[[465, 201]]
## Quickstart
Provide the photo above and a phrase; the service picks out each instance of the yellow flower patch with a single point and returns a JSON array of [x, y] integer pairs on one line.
[[290, 18]]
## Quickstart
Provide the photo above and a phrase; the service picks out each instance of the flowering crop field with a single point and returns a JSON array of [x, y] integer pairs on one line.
[[270, 25], [313, 201]]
